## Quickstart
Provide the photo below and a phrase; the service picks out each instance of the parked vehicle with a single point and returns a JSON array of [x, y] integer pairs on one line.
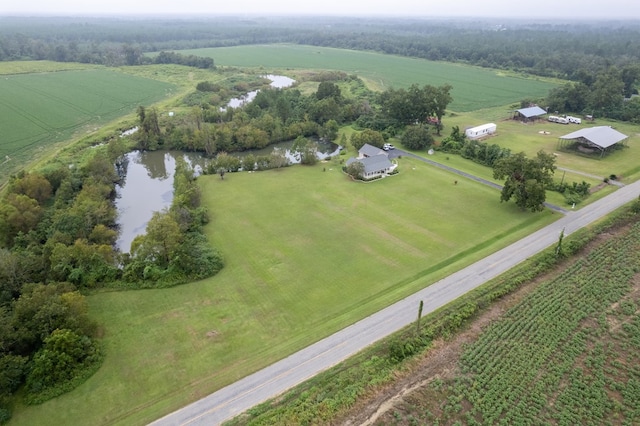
[[556, 119], [388, 146]]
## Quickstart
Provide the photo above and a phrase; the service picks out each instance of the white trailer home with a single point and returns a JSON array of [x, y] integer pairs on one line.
[[556, 119], [479, 132]]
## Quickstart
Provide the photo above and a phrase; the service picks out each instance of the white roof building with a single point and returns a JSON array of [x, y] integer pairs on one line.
[[600, 138]]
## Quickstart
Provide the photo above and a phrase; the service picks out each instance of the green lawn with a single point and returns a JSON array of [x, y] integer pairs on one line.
[[41, 109], [307, 252], [473, 87]]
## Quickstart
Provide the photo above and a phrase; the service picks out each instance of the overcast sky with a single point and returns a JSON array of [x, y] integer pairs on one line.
[[562, 9]]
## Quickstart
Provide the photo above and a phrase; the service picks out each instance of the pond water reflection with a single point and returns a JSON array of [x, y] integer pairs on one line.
[[325, 149], [146, 188], [277, 81]]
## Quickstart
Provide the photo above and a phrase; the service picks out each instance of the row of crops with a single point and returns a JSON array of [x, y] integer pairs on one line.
[[40, 109], [567, 354]]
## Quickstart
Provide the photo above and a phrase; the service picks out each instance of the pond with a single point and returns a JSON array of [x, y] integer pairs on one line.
[[277, 81], [147, 188], [325, 149], [148, 176]]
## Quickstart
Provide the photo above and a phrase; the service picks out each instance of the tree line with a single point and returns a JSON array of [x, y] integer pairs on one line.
[[562, 49], [600, 58], [610, 93]]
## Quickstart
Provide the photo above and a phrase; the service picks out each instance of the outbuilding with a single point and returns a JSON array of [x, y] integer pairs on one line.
[[529, 114], [480, 132], [593, 139]]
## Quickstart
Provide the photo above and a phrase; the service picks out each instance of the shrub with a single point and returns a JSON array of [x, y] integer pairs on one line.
[[64, 357]]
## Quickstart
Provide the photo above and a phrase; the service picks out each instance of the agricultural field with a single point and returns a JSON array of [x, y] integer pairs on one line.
[[567, 353], [473, 87], [307, 252], [39, 110]]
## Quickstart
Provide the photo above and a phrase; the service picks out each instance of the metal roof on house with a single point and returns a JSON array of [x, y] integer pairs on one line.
[[369, 150], [532, 111], [602, 136], [372, 164]]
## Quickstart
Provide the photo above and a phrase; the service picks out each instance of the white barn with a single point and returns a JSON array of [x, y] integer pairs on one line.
[[481, 131]]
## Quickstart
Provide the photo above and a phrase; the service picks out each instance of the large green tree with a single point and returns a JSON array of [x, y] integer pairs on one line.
[[417, 137], [369, 136], [161, 241], [526, 178], [416, 104]]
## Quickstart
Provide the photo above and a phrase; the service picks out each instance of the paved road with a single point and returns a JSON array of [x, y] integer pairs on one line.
[[283, 375]]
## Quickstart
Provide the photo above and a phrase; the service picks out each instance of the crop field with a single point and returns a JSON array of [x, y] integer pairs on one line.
[[567, 354], [41, 109], [473, 87], [307, 252]]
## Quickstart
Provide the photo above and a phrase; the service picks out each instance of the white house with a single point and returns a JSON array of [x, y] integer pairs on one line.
[[375, 162], [479, 132]]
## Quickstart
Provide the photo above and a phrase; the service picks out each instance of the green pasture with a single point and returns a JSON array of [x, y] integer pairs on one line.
[[307, 252], [178, 75], [473, 87], [39, 110]]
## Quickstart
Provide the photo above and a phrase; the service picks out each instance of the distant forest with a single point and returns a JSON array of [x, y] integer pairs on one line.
[[600, 58], [570, 50]]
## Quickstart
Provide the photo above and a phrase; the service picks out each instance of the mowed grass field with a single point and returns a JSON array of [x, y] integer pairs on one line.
[[307, 252], [40, 109], [473, 87]]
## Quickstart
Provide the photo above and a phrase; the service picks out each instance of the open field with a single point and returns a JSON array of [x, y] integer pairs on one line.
[[307, 252], [39, 110], [567, 353], [473, 87]]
